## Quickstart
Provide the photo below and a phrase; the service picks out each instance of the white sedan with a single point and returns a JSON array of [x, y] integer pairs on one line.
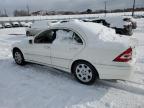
[[89, 51]]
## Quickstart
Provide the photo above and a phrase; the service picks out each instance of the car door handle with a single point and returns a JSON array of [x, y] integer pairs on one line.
[[47, 47], [73, 48]]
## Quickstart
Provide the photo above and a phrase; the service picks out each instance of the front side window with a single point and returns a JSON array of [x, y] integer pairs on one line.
[[65, 36], [47, 36]]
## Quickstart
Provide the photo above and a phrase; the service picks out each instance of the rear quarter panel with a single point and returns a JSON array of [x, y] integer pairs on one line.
[[102, 54]]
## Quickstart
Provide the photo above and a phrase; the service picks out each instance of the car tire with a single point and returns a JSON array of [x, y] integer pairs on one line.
[[84, 72], [18, 57], [28, 33], [130, 31]]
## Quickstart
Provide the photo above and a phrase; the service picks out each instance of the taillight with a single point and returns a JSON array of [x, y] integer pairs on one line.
[[125, 56]]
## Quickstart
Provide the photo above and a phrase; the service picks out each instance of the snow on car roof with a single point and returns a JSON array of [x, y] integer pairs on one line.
[[7, 24], [40, 24], [15, 23], [92, 31], [116, 21]]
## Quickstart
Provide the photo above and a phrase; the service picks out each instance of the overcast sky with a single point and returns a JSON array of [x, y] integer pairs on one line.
[[73, 5]]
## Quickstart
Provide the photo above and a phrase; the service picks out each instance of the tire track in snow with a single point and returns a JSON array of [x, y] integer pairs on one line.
[[122, 86], [138, 72]]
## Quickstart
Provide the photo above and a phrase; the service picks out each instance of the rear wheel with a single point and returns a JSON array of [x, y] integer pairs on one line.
[[18, 57], [85, 72]]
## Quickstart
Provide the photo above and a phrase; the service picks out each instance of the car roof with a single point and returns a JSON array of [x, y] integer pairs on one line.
[[7, 23], [90, 31], [15, 23]]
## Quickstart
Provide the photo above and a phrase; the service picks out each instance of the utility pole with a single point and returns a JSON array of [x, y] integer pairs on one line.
[[133, 8], [105, 7], [28, 10], [5, 12]]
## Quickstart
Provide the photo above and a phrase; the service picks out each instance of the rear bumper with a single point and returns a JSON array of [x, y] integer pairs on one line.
[[115, 72]]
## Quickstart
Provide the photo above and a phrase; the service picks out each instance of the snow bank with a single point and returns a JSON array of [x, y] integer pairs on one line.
[[17, 31]]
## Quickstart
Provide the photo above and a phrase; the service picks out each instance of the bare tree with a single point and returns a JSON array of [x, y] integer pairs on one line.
[[105, 3], [20, 13], [28, 9]]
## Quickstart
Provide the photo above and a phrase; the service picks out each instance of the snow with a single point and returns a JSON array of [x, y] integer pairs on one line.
[[15, 23], [35, 86], [98, 33], [56, 17], [23, 24], [116, 21], [40, 24], [93, 30], [66, 37], [101, 32], [63, 37], [1, 26], [7, 24], [16, 31]]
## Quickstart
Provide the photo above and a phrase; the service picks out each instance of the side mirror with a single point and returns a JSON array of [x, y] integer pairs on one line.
[[30, 41]]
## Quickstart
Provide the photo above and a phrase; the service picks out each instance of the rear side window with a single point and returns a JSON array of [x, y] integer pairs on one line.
[[64, 36]]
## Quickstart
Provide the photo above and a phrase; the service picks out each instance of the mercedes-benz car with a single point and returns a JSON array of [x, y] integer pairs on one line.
[[88, 50], [7, 25]]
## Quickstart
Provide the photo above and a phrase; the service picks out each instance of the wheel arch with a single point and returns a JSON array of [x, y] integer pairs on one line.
[[81, 60], [28, 33]]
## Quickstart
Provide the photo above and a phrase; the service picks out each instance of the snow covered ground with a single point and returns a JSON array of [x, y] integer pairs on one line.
[[56, 17], [35, 86]]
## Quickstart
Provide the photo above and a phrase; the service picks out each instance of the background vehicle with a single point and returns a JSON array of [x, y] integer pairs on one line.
[[121, 26], [79, 48], [130, 19], [28, 24], [101, 21], [23, 24], [15, 24], [7, 25], [1, 26]]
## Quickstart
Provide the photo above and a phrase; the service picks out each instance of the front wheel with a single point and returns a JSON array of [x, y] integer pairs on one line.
[[85, 72], [18, 57], [28, 33]]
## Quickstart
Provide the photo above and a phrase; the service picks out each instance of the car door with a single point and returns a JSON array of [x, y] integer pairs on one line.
[[66, 45], [40, 50]]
